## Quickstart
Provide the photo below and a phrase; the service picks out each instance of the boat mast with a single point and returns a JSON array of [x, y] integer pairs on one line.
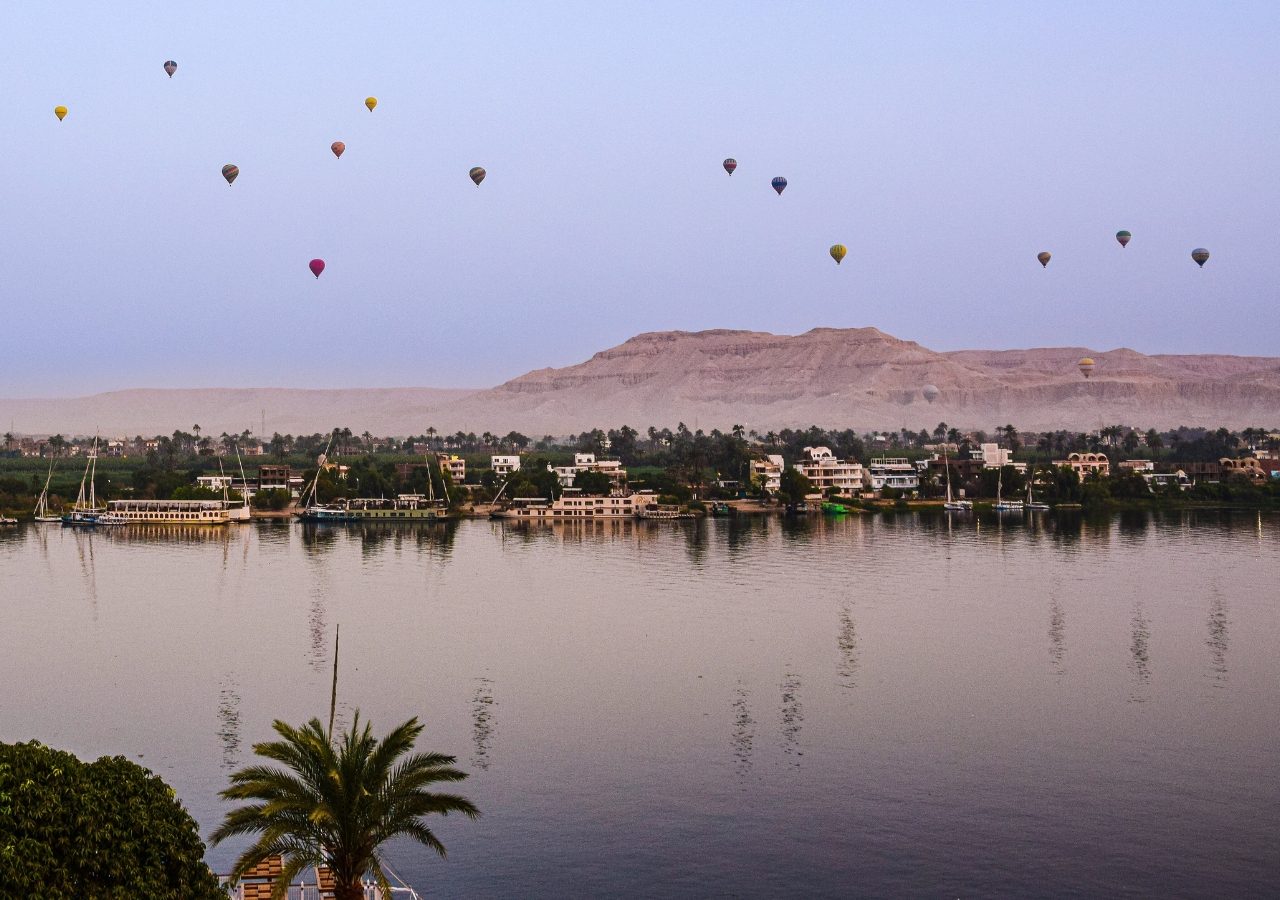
[[42, 505], [947, 469], [244, 484]]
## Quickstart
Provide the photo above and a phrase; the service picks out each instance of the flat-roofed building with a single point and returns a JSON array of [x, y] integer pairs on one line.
[[1086, 464], [892, 472], [825, 471], [504, 465]]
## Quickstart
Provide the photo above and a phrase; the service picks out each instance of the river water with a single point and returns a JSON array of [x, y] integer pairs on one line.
[[867, 706]]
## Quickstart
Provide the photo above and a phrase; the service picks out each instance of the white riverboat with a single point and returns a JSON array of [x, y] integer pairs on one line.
[[574, 505], [168, 512]]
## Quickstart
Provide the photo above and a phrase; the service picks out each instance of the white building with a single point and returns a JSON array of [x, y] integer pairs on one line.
[[892, 472], [769, 470], [587, 462], [824, 471], [504, 465], [213, 482]]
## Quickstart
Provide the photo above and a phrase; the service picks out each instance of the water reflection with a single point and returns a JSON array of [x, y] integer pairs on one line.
[[1139, 651], [229, 723], [847, 641], [1217, 641], [792, 717], [1057, 635], [744, 732], [482, 725]]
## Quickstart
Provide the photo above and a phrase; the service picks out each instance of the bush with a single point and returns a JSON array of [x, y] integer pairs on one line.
[[106, 829], [276, 499]]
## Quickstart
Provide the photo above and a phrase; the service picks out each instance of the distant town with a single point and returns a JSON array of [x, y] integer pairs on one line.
[[661, 473]]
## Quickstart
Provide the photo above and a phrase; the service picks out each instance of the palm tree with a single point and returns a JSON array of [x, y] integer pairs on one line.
[[335, 803]]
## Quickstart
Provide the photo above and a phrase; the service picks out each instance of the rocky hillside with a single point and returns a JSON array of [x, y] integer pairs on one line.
[[869, 379], [861, 377]]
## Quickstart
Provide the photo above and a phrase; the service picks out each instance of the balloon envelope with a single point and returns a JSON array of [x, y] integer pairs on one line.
[[837, 252], [930, 392], [338, 148], [477, 175], [1086, 366], [1200, 255], [730, 165], [60, 112], [371, 102], [779, 184], [170, 67], [1044, 256], [1124, 237], [316, 266], [230, 173]]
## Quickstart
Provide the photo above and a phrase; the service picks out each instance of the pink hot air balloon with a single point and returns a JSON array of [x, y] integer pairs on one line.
[[317, 266]]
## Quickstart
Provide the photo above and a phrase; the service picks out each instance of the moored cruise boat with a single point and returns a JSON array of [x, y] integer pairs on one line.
[[166, 512], [574, 505], [404, 508]]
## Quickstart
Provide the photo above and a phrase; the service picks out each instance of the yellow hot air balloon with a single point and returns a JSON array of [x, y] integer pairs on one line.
[[837, 252], [1086, 366], [60, 112], [371, 102]]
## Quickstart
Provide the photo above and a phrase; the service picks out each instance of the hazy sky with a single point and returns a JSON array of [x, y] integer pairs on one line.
[[945, 143]]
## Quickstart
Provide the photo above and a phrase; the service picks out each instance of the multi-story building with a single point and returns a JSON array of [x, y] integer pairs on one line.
[[825, 472], [504, 465], [587, 462], [892, 472], [769, 470], [1086, 464], [455, 465]]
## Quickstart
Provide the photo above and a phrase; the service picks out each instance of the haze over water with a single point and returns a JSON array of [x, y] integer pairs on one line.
[[866, 706]]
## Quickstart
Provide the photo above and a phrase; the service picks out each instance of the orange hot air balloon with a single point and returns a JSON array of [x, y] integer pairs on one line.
[[338, 147]]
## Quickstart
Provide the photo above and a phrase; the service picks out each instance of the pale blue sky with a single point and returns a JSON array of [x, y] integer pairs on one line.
[[945, 143]]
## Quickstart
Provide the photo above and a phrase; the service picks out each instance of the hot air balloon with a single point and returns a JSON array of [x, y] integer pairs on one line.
[[60, 112], [477, 175], [837, 252], [730, 165], [930, 392], [1086, 366], [371, 102], [230, 172], [338, 148], [779, 184], [1044, 256], [1124, 237], [170, 67], [1200, 255], [316, 266]]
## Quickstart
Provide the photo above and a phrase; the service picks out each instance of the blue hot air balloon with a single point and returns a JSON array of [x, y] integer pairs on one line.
[[779, 184]]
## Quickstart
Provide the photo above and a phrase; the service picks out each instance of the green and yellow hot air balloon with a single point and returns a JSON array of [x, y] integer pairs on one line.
[[1124, 237], [837, 252]]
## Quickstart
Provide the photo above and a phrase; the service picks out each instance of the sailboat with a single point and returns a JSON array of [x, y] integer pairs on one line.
[[1002, 505], [42, 504], [950, 503], [1031, 501], [86, 512], [238, 514]]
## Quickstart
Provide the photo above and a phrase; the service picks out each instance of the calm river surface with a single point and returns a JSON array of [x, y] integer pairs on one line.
[[854, 707]]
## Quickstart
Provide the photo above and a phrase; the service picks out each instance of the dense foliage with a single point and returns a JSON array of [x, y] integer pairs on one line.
[[106, 829]]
